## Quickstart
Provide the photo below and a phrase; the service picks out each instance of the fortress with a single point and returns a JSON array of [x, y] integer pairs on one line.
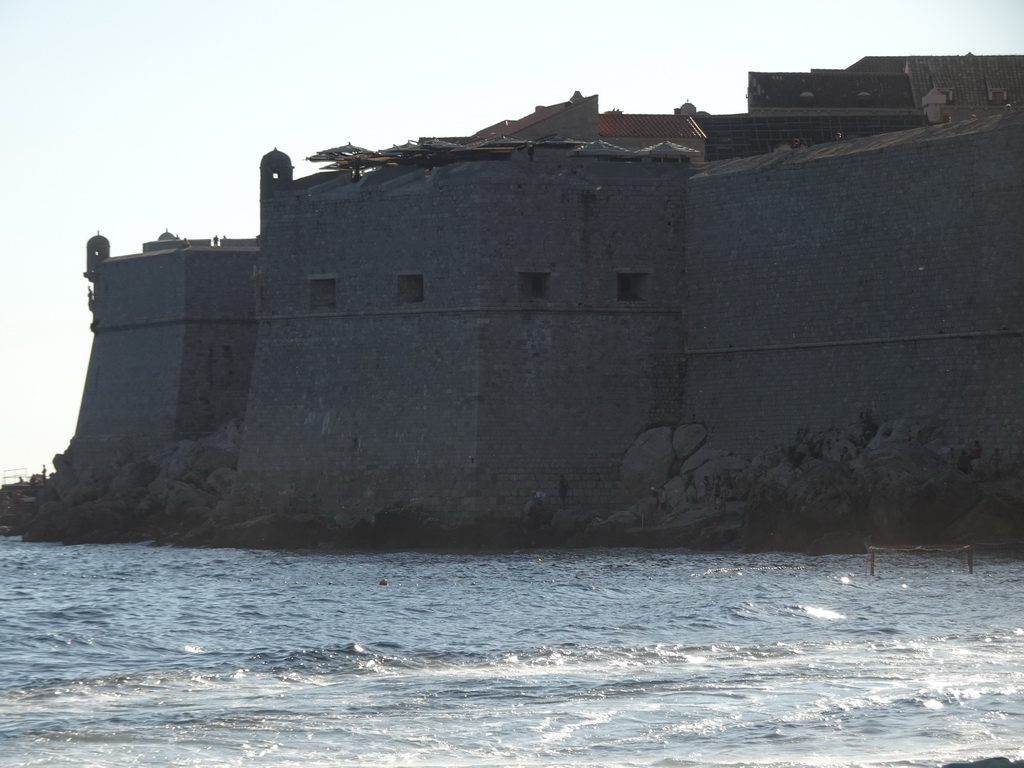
[[459, 323]]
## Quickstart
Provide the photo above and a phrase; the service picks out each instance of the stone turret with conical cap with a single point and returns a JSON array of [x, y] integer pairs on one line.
[[275, 171], [96, 250]]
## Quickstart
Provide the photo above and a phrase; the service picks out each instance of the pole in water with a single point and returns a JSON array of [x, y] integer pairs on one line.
[[970, 558], [871, 561]]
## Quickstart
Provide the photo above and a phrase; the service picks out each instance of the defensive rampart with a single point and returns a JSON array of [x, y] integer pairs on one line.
[[462, 337], [172, 352], [882, 275]]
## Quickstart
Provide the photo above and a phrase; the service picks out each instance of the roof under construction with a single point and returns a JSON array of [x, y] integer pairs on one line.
[[431, 153]]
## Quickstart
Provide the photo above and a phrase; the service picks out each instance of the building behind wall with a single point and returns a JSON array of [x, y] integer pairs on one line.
[[875, 95], [954, 88]]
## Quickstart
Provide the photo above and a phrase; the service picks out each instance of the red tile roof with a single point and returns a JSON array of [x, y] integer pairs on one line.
[[620, 124], [513, 127]]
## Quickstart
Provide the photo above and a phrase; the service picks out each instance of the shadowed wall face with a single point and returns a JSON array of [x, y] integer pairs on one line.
[[463, 337], [823, 286], [172, 353]]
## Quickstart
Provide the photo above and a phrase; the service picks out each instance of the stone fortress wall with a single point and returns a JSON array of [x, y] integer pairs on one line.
[[172, 352], [884, 275], [461, 337]]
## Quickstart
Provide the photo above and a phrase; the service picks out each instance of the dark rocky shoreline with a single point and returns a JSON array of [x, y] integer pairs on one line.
[[830, 492]]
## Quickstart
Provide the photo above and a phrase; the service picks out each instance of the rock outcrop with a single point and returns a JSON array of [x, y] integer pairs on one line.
[[180, 495], [830, 492], [899, 484], [827, 493]]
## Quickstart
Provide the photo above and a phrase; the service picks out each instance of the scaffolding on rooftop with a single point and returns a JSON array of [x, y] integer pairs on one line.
[[731, 137]]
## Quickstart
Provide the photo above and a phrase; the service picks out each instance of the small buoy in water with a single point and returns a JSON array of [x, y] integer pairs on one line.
[[538, 560], [383, 582]]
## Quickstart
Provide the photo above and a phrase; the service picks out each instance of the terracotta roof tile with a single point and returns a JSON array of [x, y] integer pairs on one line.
[[539, 115], [620, 124]]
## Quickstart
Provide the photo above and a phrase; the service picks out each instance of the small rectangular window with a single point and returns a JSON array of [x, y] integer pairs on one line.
[[533, 285], [410, 289], [631, 286], [322, 293]]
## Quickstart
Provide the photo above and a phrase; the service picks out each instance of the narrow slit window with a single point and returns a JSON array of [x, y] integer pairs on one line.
[[323, 293], [631, 286], [533, 285], [410, 289]]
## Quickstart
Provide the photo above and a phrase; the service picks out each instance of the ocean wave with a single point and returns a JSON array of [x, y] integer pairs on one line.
[[226, 658]]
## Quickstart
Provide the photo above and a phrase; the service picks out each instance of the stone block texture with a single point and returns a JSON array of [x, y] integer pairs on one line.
[[545, 333], [172, 354], [885, 276], [460, 337]]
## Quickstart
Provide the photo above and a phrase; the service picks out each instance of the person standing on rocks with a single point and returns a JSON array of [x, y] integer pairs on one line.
[[963, 463], [536, 514], [649, 508]]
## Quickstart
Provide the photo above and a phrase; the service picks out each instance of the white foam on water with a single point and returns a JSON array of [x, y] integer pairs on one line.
[[489, 661], [822, 613]]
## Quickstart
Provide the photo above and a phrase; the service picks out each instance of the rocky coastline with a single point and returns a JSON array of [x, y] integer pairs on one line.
[[832, 492]]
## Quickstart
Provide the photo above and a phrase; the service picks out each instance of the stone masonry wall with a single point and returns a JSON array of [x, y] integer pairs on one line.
[[566, 393], [883, 277], [569, 380], [480, 392], [172, 352], [357, 424], [219, 342], [128, 403], [131, 387], [460, 337]]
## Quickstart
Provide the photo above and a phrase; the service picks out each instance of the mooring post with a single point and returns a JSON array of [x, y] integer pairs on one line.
[[871, 560]]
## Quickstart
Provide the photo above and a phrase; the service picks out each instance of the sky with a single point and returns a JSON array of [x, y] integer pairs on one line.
[[132, 117]]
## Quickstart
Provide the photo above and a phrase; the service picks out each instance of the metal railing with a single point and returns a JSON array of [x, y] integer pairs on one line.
[[16, 475]]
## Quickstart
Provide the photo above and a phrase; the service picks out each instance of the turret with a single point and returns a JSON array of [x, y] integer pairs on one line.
[[275, 171], [96, 250]]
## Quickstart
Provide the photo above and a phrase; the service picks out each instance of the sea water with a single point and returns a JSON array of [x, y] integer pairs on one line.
[[131, 655]]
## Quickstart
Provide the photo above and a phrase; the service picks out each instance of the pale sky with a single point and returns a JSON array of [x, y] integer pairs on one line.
[[132, 117]]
